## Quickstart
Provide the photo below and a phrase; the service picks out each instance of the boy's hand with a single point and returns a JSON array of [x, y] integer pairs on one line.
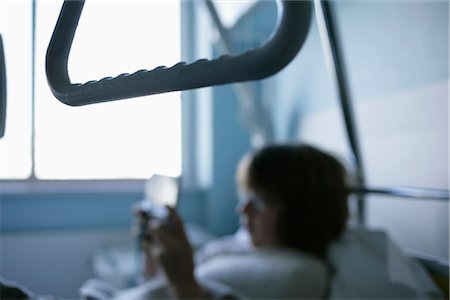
[[174, 252]]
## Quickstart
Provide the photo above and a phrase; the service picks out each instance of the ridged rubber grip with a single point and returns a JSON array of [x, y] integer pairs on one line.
[[291, 32]]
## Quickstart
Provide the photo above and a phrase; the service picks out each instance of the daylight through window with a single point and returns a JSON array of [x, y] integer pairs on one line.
[[116, 140]]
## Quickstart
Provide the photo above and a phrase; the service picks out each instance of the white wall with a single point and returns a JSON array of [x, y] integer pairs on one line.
[[396, 58], [404, 140]]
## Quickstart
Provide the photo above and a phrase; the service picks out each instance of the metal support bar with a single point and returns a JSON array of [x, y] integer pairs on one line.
[[335, 60], [252, 65], [225, 40], [404, 192], [259, 134], [2, 89]]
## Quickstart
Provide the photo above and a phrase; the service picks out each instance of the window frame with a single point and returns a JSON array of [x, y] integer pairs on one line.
[[189, 133]]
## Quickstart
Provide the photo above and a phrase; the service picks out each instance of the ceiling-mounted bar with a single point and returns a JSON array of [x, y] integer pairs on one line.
[[335, 60], [252, 65], [224, 36], [2, 89], [33, 91], [259, 134]]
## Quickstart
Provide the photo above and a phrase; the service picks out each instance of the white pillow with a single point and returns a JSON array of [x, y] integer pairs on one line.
[[268, 273], [368, 264]]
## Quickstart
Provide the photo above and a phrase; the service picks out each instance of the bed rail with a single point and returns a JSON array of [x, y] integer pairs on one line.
[[404, 192], [291, 32]]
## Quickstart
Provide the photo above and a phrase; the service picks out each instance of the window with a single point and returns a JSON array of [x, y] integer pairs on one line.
[[124, 139]]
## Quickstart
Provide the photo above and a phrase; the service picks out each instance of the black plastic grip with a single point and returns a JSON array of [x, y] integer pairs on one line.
[[291, 32]]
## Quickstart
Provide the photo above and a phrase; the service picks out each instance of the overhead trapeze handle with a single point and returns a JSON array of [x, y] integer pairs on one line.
[[255, 64]]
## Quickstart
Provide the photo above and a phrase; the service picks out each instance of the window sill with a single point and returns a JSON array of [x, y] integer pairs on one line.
[[33, 186]]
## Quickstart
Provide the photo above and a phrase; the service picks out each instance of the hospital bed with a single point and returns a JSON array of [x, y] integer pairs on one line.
[[254, 65]]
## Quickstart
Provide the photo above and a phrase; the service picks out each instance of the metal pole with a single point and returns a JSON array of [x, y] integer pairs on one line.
[[259, 133], [332, 48]]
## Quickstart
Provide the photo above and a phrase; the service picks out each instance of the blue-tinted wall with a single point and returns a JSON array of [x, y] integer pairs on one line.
[[83, 210]]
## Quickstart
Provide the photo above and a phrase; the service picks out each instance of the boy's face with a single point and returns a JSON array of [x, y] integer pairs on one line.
[[259, 219]]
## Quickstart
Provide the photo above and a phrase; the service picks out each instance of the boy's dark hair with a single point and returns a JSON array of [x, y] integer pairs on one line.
[[309, 187]]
